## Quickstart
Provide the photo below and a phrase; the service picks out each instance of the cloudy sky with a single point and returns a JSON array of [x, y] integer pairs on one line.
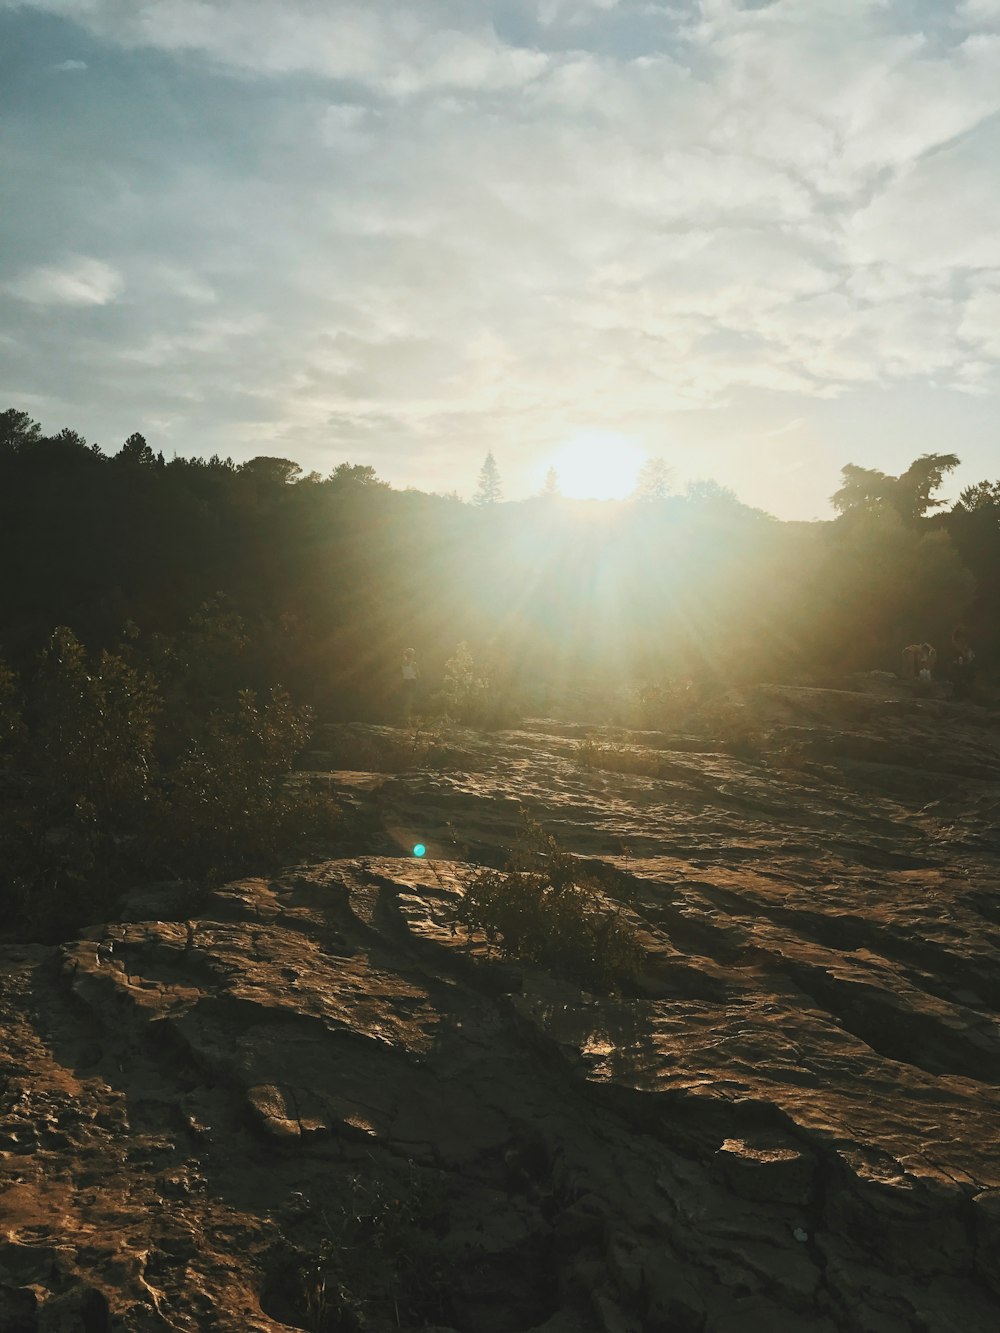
[[759, 240]]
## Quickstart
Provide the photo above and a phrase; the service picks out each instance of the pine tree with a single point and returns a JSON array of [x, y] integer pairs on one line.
[[136, 452], [489, 490], [551, 490]]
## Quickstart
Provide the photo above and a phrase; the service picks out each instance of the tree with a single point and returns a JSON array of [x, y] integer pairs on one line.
[[17, 431], [983, 496], [655, 481], [707, 491], [489, 490], [270, 471], [550, 491], [356, 476], [868, 491], [915, 486], [135, 452]]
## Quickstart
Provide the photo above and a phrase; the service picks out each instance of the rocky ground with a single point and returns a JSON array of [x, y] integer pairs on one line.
[[312, 1103]]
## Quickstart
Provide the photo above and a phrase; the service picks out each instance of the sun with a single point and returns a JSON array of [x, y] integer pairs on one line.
[[597, 465]]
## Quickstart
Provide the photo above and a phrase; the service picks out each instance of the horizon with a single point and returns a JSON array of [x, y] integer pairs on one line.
[[754, 240]]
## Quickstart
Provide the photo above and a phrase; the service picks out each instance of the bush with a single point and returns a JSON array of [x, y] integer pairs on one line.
[[615, 757], [379, 1261], [472, 696], [226, 803], [660, 705], [730, 725], [111, 772], [542, 910], [369, 751]]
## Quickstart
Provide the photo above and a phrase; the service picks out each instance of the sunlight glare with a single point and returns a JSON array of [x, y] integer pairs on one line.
[[597, 465]]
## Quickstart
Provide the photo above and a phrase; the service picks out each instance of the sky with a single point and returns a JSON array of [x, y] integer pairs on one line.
[[756, 240]]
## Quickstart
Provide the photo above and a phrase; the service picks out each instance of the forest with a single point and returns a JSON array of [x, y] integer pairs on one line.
[[170, 630]]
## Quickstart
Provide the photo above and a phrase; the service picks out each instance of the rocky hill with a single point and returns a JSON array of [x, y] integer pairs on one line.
[[311, 1102]]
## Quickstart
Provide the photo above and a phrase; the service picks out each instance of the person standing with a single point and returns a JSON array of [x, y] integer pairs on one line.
[[411, 679], [963, 667]]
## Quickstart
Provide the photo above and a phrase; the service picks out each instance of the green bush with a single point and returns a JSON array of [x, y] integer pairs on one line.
[[112, 772], [226, 803], [542, 910], [472, 696]]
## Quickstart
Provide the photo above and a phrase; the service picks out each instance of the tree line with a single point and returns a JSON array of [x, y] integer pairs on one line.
[[335, 576], [170, 629]]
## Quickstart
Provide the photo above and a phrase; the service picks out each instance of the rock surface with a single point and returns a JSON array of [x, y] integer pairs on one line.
[[316, 1105]]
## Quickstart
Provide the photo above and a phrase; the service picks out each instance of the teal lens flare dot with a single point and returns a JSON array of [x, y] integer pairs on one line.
[[420, 850]]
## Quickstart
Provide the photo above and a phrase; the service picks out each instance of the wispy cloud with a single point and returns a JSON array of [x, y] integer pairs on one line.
[[784, 429], [352, 223], [76, 281]]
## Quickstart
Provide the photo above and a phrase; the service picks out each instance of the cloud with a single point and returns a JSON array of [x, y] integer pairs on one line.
[[76, 281], [784, 429], [65, 66], [411, 227], [979, 14], [389, 45]]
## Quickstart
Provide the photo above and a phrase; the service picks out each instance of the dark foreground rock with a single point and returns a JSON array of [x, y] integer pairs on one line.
[[315, 1105]]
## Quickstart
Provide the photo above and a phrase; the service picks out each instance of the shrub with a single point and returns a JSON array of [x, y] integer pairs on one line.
[[226, 803], [11, 724], [382, 752], [472, 696], [730, 725], [378, 1262], [542, 910], [659, 705], [619, 758], [97, 788]]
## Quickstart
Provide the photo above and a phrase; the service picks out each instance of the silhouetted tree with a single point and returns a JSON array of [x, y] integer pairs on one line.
[[270, 471], [551, 488], [334, 578], [866, 490], [984, 496], [974, 527], [135, 452], [356, 476], [655, 481], [489, 490], [17, 431]]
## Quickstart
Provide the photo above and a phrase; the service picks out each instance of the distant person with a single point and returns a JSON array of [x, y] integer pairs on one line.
[[411, 680], [963, 665], [926, 662]]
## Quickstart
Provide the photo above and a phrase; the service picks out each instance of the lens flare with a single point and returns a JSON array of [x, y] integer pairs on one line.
[[419, 849]]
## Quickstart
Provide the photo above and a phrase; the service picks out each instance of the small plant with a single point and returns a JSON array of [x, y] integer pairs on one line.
[[618, 758], [390, 753], [542, 910], [658, 705], [735, 732], [378, 1260]]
